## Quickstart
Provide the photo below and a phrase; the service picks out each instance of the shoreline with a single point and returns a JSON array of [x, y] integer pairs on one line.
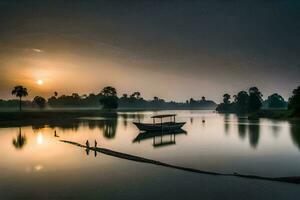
[[58, 116], [8, 116]]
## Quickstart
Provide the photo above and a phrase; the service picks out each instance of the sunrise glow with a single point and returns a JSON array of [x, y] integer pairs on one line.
[[40, 82]]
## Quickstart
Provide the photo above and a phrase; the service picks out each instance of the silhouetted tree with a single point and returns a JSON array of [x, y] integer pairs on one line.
[[135, 95], [255, 99], [192, 101], [294, 102], [109, 91], [242, 102], [226, 98], [40, 102], [276, 101], [19, 91], [108, 98], [203, 98], [75, 96], [226, 106]]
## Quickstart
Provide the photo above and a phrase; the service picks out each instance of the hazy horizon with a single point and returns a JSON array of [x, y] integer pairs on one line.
[[171, 49]]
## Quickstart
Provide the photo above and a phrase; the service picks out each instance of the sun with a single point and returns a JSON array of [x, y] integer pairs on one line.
[[40, 82]]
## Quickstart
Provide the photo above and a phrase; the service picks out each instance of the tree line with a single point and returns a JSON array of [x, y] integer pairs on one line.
[[252, 101], [107, 98], [242, 102]]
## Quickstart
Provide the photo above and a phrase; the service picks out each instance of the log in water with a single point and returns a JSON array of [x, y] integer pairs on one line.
[[292, 179]]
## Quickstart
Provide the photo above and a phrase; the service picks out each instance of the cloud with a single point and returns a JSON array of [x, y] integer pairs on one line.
[[35, 50], [38, 50]]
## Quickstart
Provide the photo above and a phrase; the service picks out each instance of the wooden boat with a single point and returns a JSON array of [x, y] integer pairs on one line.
[[160, 126]]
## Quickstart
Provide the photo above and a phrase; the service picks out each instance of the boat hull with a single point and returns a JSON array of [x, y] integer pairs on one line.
[[165, 127]]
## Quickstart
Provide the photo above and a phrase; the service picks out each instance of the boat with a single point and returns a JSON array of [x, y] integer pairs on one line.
[[169, 126]]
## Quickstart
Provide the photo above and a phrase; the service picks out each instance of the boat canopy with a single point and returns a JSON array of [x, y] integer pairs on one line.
[[163, 116]]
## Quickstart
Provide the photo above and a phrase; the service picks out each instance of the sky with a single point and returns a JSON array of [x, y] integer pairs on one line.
[[169, 48]]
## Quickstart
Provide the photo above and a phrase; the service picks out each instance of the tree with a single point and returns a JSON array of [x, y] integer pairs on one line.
[[203, 98], [276, 101], [40, 102], [108, 98], [108, 91], [226, 106], [242, 102], [226, 98], [255, 99], [75, 96], [19, 91], [294, 102], [135, 95]]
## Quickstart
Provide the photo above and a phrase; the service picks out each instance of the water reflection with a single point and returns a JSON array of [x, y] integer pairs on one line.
[[107, 125], [40, 138], [275, 128], [248, 142], [20, 140], [254, 129], [295, 134], [226, 123], [160, 139], [242, 127], [131, 116], [109, 128]]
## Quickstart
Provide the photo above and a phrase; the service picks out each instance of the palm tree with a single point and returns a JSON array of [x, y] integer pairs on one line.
[[19, 91]]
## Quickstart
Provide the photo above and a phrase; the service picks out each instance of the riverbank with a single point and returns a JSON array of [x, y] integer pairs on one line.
[[36, 116]]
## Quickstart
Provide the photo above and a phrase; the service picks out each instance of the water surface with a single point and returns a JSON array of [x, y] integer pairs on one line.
[[35, 164]]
